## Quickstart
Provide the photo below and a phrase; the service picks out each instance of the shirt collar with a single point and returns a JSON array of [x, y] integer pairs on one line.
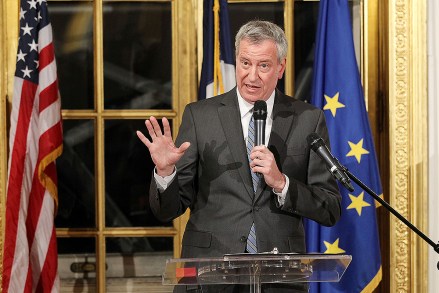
[[245, 107]]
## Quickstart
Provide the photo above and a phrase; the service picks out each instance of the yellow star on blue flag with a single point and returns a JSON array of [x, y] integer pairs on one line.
[[332, 104], [333, 247], [358, 203], [336, 73], [357, 150]]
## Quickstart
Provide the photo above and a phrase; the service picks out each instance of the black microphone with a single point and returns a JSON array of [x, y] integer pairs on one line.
[[260, 116], [318, 145]]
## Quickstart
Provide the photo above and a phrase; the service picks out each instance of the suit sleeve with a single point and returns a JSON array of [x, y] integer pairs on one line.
[[317, 199], [180, 194]]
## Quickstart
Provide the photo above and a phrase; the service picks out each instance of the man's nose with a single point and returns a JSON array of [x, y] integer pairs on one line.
[[253, 73]]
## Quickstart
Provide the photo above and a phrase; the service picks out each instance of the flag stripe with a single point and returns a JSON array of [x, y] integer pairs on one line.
[[44, 228], [46, 56], [49, 272], [34, 208], [16, 178], [49, 118], [49, 96], [18, 85], [45, 37], [47, 73]]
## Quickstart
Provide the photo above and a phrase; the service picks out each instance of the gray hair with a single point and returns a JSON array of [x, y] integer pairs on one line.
[[257, 31]]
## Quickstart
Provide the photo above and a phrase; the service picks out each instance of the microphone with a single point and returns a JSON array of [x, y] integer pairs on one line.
[[318, 145], [260, 117]]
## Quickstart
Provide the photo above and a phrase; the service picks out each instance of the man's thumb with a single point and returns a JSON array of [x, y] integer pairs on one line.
[[184, 146]]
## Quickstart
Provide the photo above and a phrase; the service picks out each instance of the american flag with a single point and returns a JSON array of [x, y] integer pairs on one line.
[[30, 261]]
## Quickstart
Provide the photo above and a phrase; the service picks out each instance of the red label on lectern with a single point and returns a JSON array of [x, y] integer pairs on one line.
[[185, 272]]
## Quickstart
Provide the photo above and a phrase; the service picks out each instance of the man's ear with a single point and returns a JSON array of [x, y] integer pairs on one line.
[[281, 68]]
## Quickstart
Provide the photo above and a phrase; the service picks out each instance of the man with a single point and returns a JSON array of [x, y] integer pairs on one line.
[[210, 171]]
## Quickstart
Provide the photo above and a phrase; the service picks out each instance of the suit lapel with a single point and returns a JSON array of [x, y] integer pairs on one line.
[[283, 117], [231, 122]]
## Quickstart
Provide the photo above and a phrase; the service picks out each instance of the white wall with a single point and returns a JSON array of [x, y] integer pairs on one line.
[[433, 139]]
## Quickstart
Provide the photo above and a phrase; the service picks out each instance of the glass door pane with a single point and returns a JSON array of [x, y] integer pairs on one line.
[[76, 176], [128, 171], [137, 55], [72, 24], [77, 264]]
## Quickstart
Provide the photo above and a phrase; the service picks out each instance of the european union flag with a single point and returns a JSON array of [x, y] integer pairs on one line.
[[338, 91], [218, 70]]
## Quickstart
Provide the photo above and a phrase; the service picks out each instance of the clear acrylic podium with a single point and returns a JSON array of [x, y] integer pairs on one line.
[[256, 269]]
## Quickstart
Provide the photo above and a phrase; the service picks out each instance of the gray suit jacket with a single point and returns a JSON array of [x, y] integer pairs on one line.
[[213, 180]]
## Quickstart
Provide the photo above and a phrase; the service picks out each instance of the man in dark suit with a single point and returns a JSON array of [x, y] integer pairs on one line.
[[210, 172]]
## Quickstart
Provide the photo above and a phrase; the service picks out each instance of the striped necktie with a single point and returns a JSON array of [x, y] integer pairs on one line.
[[251, 239]]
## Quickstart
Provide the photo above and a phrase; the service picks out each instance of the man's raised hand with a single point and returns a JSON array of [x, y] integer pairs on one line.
[[163, 151]]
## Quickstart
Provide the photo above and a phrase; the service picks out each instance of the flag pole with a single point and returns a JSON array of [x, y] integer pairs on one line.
[[216, 46]]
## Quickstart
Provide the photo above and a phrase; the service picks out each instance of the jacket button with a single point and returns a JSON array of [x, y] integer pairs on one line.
[[243, 239], [257, 209]]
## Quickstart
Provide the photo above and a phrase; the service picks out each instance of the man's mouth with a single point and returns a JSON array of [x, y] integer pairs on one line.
[[252, 87]]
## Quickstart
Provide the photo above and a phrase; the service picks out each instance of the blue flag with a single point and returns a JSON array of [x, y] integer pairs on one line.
[[218, 70], [338, 91]]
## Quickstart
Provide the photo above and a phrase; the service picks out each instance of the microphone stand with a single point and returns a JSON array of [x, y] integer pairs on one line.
[[392, 210]]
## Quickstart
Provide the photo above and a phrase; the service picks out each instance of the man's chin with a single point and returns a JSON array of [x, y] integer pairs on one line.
[[252, 97]]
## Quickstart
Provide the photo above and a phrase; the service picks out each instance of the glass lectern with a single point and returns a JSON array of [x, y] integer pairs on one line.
[[256, 269]]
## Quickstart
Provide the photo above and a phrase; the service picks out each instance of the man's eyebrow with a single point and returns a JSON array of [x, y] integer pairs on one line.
[[258, 61], [265, 61]]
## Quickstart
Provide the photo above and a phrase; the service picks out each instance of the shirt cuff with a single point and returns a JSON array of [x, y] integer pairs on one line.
[[163, 182], [282, 195]]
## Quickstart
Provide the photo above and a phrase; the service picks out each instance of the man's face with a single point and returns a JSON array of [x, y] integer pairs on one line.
[[257, 70]]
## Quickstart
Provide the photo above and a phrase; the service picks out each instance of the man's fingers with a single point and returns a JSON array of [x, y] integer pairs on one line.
[[260, 148], [258, 169], [257, 155], [257, 163], [156, 126], [143, 138], [260, 152], [150, 129], [166, 127]]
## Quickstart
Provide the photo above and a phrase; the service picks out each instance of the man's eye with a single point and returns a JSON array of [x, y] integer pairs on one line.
[[265, 67]]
